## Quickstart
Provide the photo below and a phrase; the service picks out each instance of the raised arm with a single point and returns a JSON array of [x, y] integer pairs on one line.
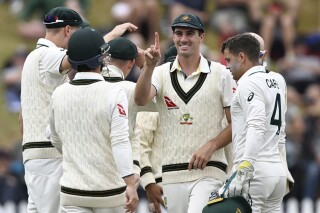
[[119, 30], [144, 90]]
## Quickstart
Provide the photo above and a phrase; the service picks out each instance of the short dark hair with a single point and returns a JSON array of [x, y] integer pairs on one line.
[[245, 43]]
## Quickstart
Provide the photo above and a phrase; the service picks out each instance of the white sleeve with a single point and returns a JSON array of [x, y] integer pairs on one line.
[[51, 131], [51, 60], [120, 143], [253, 104], [228, 87], [156, 78]]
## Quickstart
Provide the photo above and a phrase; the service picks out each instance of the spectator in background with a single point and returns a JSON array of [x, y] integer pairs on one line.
[[231, 17], [235, 16], [302, 71], [295, 129], [198, 8], [10, 187], [12, 78], [312, 142], [144, 14], [31, 26], [278, 27]]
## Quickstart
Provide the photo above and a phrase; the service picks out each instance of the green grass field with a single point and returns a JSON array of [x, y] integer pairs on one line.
[[99, 16]]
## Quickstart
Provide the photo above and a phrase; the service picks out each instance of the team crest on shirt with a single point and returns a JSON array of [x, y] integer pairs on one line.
[[186, 119], [170, 104], [122, 112]]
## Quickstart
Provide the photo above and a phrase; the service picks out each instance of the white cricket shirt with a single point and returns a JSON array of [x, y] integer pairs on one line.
[[258, 113]]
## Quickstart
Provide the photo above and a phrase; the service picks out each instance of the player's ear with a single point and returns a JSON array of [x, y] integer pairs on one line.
[[241, 57]]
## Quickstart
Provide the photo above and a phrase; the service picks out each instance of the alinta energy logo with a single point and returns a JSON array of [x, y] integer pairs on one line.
[[170, 103]]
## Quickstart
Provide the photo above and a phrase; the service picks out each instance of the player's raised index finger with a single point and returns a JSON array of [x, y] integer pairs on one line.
[[156, 41]]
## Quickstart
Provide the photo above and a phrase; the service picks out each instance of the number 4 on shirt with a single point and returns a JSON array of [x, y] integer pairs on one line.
[[277, 108]]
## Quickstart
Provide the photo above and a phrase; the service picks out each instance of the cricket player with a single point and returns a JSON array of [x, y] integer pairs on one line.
[[282, 83], [149, 135], [46, 68], [193, 96], [123, 57], [258, 113], [93, 136]]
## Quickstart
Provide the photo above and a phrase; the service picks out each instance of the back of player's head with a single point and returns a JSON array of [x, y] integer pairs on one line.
[[245, 43], [170, 54], [86, 48], [123, 49]]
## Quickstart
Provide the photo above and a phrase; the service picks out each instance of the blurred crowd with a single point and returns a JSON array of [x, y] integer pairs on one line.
[[296, 56]]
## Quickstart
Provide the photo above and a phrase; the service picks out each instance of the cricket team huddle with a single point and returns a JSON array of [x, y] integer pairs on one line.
[[197, 135]]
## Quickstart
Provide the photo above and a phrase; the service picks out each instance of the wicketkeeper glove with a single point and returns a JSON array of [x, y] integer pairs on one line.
[[238, 183]]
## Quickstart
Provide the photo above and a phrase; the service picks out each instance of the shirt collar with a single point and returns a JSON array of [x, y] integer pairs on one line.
[[45, 42], [112, 71], [203, 66], [88, 75], [251, 71]]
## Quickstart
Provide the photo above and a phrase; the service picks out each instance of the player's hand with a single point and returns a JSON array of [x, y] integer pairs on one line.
[[154, 193], [119, 30], [140, 59], [152, 54], [201, 157], [132, 199], [238, 183]]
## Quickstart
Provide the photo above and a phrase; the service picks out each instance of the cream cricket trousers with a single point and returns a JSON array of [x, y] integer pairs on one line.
[[267, 194], [42, 178], [78, 209], [189, 197]]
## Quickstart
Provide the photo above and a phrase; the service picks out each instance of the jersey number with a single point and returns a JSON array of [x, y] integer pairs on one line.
[[277, 107]]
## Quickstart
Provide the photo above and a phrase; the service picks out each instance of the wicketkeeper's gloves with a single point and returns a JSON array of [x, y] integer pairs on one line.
[[238, 183]]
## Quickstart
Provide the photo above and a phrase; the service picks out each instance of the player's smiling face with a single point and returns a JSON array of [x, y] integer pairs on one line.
[[187, 41], [233, 64]]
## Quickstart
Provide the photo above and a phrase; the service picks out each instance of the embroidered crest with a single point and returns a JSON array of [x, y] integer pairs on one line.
[[170, 103], [186, 119], [121, 110], [185, 18]]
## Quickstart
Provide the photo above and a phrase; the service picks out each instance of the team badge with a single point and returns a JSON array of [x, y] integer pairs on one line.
[[121, 110], [185, 18], [170, 103], [186, 119]]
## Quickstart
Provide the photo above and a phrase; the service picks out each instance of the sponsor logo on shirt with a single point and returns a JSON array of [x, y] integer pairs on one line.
[[121, 110], [170, 103], [186, 119], [234, 89], [250, 97]]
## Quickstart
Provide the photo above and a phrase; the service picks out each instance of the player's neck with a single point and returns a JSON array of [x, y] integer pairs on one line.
[[189, 65]]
